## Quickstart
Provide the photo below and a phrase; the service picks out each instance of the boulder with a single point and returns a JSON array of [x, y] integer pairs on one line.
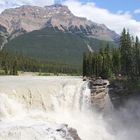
[[67, 132], [73, 134]]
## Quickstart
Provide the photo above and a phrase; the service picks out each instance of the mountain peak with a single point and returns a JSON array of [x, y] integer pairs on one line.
[[57, 6], [29, 18], [58, 9]]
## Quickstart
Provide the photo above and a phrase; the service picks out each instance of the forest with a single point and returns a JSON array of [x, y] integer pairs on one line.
[[110, 62], [11, 63], [107, 62]]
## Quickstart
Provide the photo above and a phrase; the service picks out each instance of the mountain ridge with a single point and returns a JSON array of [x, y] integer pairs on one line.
[[51, 33], [30, 18]]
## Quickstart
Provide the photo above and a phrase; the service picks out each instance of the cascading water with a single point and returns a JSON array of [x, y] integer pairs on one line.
[[37, 108], [72, 98]]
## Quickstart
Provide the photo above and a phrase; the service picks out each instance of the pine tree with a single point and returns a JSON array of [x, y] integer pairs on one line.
[[84, 64], [137, 56], [15, 72], [108, 62], [116, 64], [129, 56], [123, 47]]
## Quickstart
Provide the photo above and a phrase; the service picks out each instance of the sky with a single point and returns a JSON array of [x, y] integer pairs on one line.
[[115, 14]]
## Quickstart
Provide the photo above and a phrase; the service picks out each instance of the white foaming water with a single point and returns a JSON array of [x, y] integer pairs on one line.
[[34, 108]]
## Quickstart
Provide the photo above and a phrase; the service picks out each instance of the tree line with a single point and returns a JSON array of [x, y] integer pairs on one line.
[[109, 61], [12, 63]]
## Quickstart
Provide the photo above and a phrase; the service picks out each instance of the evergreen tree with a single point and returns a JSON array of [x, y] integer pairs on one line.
[[124, 60], [123, 53], [15, 71], [137, 56], [116, 64]]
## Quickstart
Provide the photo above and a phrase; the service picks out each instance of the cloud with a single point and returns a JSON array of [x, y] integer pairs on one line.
[[4, 4], [137, 11], [115, 21]]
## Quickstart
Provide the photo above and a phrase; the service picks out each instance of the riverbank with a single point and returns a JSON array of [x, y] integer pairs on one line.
[[22, 73]]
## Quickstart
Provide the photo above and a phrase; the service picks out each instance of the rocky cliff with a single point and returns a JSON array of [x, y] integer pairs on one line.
[[99, 90], [119, 92], [30, 18], [52, 33]]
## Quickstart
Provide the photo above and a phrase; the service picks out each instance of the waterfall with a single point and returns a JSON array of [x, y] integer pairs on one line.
[[34, 107], [72, 98], [40, 108], [56, 95]]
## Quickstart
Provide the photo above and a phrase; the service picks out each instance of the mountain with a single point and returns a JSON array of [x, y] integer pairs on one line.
[[51, 33], [30, 18], [3, 36], [53, 45]]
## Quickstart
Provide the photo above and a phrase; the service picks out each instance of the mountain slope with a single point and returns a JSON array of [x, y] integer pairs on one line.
[[3, 36], [51, 33], [53, 45], [30, 18]]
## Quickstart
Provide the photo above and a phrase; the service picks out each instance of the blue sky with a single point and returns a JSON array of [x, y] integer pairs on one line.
[[115, 14], [119, 5], [116, 5]]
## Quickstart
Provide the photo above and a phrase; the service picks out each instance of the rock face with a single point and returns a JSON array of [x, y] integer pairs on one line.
[[30, 18], [98, 93], [68, 132], [119, 93], [73, 134]]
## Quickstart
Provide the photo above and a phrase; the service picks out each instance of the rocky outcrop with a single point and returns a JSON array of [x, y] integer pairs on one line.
[[68, 132], [73, 134], [119, 93], [30, 18], [98, 93]]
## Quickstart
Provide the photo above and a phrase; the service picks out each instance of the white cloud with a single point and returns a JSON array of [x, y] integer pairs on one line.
[[115, 21], [14, 3], [137, 11], [43, 2]]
